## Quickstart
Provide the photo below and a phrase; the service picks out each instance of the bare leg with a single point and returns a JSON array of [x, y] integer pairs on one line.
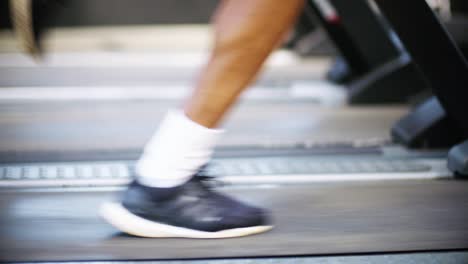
[[246, 32]]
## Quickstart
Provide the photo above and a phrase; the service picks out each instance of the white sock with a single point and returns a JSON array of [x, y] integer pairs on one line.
[[176, 151]]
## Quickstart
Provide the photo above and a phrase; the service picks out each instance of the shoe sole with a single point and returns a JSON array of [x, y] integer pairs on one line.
[[119, 217]]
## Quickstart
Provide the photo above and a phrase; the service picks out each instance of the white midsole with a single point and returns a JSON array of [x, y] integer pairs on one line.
[[122, 219]]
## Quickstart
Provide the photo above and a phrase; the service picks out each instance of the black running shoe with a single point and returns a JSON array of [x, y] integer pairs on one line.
[[192, 210]]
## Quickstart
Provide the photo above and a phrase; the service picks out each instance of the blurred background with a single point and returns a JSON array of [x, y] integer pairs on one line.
[[123, 63]]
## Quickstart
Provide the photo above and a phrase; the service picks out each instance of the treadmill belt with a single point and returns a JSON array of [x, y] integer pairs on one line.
[[318, 219]]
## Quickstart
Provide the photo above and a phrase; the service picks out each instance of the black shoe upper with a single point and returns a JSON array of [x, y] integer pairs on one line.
[[193, 205]]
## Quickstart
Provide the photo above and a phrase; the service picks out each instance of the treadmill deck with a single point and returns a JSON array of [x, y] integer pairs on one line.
[[318, 219]]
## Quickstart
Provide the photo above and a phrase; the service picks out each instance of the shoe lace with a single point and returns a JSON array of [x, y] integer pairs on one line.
[[209, 181]]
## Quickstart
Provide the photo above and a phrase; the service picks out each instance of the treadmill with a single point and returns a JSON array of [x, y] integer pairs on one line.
[[42, 221], [373, 64]]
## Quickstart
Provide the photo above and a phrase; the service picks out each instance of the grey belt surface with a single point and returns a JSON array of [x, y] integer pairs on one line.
[[316, 219], [451, 257]]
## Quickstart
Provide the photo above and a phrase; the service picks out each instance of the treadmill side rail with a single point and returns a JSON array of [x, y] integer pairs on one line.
[[458, 159], [427, 126]]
